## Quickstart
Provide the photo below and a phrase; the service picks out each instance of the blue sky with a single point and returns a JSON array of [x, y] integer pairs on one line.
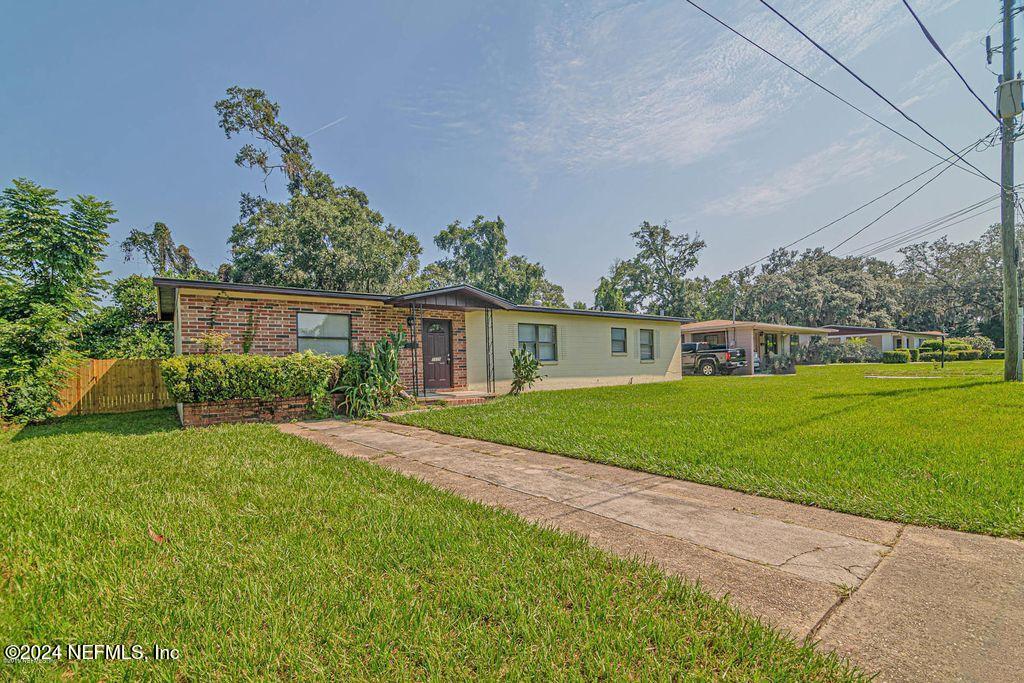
[[573, 121]]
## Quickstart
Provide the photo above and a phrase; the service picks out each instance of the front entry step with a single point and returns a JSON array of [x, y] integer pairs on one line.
[[454, 398]]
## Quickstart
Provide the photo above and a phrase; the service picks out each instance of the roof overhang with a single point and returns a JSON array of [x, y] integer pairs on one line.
[[876, 332], [455, 297], [458, 297], [166, 288], [716, 325], [603, 314]]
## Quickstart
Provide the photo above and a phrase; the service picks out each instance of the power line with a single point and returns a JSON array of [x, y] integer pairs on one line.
[[889, 241], [891, 208], [945, 226], [928, 35], [868, 203], [932, 226], [834, 94], [872, 89]]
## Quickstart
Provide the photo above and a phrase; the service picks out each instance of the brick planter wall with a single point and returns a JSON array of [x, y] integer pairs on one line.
[[244, 410]]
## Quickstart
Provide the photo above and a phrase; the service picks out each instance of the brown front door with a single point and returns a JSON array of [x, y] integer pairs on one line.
[[437, 354]]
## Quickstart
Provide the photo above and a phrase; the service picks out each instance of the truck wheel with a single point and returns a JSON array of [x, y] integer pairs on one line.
[[706, 368]]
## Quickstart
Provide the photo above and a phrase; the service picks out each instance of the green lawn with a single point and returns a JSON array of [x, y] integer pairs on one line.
[[946, 452], [282, 560]]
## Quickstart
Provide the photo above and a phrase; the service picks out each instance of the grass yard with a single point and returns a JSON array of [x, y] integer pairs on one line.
[[945, 451], [260, 555]]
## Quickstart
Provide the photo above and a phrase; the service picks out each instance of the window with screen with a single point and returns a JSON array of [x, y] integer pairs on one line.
[[646, 344], [325, 333], [540, 340], [618, 340]]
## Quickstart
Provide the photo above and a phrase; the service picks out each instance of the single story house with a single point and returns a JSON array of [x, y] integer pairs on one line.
[[753, 337], [882, 338], [459, 337]]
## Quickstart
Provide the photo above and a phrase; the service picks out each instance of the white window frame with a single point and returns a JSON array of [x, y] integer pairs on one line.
[[624, 340], [533, 346], [641, 344]]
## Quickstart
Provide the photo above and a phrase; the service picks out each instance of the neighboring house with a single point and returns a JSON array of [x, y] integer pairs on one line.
[[460, 337], [883, 338], [754, 337]]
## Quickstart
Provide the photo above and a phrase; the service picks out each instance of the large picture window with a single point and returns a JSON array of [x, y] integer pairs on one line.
[[646, 344], [540, 340], [618, 340], [325, 333]]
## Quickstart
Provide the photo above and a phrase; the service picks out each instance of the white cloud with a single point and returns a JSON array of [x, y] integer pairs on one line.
[[840, 162], [660, 82]]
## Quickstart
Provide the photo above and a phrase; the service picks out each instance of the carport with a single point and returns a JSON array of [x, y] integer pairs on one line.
[[762, 338]]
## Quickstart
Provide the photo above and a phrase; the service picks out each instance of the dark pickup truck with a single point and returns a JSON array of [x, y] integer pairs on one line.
[[703, 359]]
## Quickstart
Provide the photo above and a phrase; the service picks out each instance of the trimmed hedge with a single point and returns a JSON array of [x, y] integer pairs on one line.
[[977, 342], [951, 345], [958, 354], [998, 353], [915, 355], [896, 356], [224, 376]]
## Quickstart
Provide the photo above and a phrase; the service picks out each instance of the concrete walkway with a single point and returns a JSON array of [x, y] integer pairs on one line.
[[907, 602]]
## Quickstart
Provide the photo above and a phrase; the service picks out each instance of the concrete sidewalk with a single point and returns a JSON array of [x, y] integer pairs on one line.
[[908, 602]]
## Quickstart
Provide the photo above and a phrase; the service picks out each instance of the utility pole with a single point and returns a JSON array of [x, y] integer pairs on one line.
[[1007, 115]]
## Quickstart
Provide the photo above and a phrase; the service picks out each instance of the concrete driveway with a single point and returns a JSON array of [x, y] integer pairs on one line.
[[907, 602]]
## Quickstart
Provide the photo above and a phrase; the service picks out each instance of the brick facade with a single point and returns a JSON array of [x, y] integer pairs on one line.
[[271, 323], [244, 410]]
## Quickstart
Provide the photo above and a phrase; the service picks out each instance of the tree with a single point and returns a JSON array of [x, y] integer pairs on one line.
[[129, 327], [653, 281], [609, 295], [816, 288], [166, 258], [579, 305], [954, 287], [717, 299], [323, 236], [478, 255], [49, 273], [49, 255]]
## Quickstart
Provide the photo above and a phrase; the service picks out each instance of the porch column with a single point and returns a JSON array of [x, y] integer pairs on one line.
[[746, 340]]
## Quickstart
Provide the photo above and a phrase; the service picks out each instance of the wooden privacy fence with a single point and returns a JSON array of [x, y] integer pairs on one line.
[[114, 386]]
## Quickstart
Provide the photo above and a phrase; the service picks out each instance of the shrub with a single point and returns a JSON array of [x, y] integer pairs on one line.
[[970, 354], [976, 342], [211, 342], [221, 377], [998, 353], [817, 352], [370, 382], [914, 355], [779, 364], [858, 351], [525, 371], [951, 345], [35, 363], [896, 356]]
